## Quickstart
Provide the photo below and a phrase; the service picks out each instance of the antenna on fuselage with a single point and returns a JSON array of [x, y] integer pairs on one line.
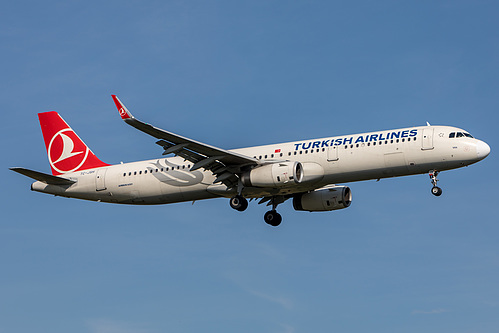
[[428, 124]]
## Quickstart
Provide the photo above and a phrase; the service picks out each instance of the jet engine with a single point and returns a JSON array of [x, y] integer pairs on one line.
[[274, 175], [283, 174], [321, 200]]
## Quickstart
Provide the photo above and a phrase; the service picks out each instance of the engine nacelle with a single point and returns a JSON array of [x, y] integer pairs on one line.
[[312, 172], [274, 175], [332, 198]]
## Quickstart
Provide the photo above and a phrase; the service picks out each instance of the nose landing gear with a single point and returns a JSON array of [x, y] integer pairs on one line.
[[436, 191]]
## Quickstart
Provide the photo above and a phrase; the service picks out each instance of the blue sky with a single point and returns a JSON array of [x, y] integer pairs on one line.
[[235, 74]]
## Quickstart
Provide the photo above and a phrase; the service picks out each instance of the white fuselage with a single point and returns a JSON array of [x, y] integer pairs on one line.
[[341, 159]]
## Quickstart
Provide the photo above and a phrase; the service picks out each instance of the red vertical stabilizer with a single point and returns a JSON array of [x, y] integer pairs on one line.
[[65, 150]]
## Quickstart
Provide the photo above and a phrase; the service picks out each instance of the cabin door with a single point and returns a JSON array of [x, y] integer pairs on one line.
[[100, 179], [427, 142]]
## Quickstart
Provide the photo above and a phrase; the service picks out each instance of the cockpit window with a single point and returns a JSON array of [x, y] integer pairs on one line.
[[459, 135]]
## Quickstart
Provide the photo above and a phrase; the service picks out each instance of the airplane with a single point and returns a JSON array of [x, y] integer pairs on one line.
[[305, 171]]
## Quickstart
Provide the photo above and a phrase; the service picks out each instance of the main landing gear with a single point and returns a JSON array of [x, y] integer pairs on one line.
[[238, 203], [435, 190], [272, 217]]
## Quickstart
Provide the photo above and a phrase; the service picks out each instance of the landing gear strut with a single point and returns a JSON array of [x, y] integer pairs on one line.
[[436, 191], [272, 217], [238, 203]]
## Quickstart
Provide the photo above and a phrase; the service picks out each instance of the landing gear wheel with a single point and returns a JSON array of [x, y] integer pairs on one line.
[[238, 203], [436, 191], [273, 218]]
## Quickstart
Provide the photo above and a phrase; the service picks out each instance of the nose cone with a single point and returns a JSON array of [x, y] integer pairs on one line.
[[482, 150]]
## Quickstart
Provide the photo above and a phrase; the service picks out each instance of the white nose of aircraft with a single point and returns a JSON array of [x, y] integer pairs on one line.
[[482, 150]]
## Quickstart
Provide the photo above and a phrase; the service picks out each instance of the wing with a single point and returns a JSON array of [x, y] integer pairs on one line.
[[224, 164]]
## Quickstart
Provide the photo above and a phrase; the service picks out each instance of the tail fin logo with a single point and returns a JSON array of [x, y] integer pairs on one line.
[[122, 113], [66, 151]]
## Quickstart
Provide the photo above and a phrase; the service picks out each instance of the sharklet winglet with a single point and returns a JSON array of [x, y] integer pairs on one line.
[[124, 113]]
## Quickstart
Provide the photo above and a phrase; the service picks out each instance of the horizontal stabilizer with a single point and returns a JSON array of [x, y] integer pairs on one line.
[[43, 177]]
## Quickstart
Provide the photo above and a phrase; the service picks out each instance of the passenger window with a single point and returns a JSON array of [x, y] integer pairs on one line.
[[124, 175], [452, 135], [272, 156], [140, 172], [281, 154], [129, 173], [135, 173], [289, 154], [403, 140]]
